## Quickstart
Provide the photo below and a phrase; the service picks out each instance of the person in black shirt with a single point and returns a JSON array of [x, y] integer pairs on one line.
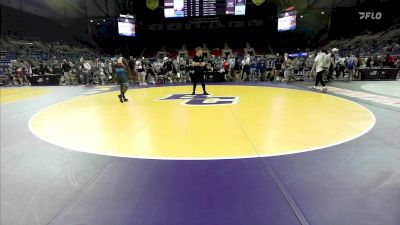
[[132, 76], [168, 68], [66, 68], [278, 68], [198, 76], [42, 68]]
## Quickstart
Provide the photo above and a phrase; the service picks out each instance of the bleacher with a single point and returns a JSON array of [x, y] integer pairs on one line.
[[383, 43], [10, 56], [13, 48]]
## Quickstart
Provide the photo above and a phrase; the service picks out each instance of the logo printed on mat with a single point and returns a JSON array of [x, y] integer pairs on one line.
[[202, 100]]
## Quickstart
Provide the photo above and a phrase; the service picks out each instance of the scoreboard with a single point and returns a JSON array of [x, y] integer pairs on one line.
[[200, 8]]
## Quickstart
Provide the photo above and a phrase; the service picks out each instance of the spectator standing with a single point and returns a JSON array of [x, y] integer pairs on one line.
[[86, 71], [331, 66], [351, 65], [319, 67], [340, 65], [66, 68], [278, 67], [132, 76], [141, 72]]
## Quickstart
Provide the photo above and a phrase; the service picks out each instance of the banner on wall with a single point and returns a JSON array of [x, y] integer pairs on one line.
[[215, 25], [152, 4], [258, 2]]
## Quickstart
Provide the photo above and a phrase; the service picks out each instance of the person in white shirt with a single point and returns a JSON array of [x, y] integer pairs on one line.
[[320, 66], [139, 67], [232, 62], [245, 68], [157, 67], [100, 73], [340, 66], [86, 71]]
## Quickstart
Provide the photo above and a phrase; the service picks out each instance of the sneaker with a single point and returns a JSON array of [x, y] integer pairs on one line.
[[124, 98], [324, 89], [315, 87], [205, 93], [193, 93], [121, 99]]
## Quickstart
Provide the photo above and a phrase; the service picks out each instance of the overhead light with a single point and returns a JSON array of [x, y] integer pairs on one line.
[[98, 23], [104, 20], [301, 16], [322, 12], [91, 21]]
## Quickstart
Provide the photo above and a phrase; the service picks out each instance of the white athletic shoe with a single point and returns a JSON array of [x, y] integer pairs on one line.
[[315, 87]]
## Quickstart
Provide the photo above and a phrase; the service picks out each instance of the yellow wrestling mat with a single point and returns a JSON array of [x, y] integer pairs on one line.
[[8, 95], [235, 122]]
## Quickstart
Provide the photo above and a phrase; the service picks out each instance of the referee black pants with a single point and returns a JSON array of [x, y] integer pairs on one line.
[[198, 77], [319, 79]]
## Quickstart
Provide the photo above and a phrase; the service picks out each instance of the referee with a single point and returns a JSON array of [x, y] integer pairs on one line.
[[198, 76]]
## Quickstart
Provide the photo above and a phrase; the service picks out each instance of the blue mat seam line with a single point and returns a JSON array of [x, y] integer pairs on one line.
[[81, 191], [296, 210]]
